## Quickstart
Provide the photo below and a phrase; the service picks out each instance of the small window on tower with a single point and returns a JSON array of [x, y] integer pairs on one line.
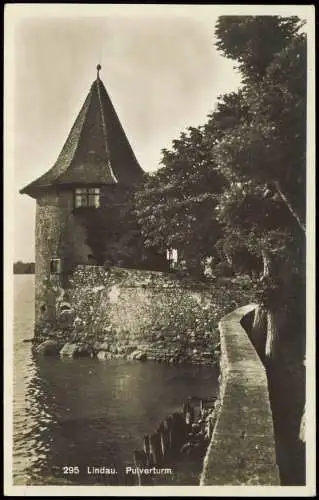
[[87, 197], [55, 266]]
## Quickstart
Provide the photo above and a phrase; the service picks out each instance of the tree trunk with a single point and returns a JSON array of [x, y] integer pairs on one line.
[[272, 335], [259, 331], [267, 264]]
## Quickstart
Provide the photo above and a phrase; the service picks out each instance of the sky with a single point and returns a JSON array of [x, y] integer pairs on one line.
[[159, 65]]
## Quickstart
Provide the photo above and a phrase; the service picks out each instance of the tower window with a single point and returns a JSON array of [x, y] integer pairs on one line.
[[87, 197], [55, 266]]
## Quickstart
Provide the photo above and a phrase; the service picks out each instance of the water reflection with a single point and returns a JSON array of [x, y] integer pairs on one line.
[[86, 413]]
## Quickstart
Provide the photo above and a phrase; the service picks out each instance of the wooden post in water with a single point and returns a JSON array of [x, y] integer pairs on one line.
[[168, 428], [188, 412], [201, 407], [179, 431], [156, 449], [164, 434], [146, 447], [210, 427], [139, 462]]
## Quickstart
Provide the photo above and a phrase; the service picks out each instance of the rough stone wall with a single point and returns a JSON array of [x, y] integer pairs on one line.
[[58, 235], [242, 448], [121, 310]]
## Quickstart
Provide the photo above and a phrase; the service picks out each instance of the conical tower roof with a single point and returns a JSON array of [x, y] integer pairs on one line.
[[96, 151]]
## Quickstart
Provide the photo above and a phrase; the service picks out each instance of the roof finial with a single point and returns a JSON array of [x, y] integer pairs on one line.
[[98, 67]]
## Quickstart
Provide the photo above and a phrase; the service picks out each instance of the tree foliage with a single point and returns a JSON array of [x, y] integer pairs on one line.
[[263, 155], [176, 207], [254, 41], [269, 146], [236, 185]]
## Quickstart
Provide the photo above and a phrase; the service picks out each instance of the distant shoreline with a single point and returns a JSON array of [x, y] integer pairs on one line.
[[22, 273], [23, 267]]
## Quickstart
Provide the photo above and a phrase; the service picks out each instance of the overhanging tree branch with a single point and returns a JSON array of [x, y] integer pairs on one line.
[[289, 206]]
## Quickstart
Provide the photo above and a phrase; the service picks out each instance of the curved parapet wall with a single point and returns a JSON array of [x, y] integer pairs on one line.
[[242, 448]]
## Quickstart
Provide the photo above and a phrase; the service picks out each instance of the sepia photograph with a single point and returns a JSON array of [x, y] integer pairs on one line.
[[159, 256]]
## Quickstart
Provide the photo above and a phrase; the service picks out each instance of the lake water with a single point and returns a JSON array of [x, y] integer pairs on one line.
[[89, 413]]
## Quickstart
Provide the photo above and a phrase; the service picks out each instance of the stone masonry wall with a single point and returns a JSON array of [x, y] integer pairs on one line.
[[58, 235], [242, 448], [121, 311]]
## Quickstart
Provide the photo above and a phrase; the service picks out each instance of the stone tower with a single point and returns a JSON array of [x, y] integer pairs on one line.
[[96, 165]]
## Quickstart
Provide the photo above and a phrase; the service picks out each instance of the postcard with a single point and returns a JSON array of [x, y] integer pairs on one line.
[[159, 250]]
